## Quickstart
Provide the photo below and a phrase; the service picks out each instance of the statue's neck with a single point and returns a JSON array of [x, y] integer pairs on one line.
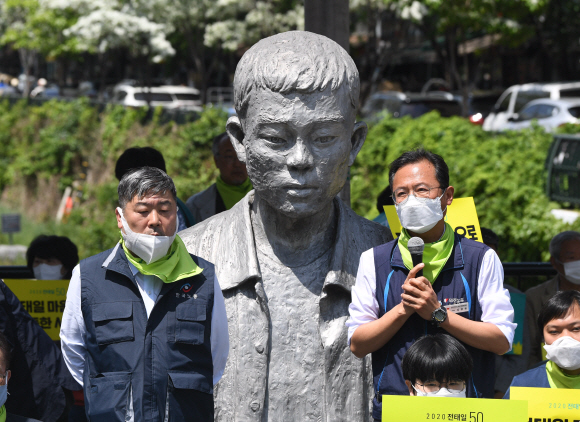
[[294, 241]]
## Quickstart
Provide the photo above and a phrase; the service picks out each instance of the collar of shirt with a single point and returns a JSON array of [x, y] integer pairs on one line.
[[149, 287]]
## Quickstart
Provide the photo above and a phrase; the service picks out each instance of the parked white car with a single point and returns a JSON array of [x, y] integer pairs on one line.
[[548, 113], [168, 96], [515, 97]]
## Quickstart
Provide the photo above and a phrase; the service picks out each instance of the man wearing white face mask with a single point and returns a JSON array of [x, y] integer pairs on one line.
[[559, 322], [565, 258], [144, 328], [460, 292]]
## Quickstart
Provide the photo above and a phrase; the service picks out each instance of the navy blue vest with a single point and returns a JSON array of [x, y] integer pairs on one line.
[[457, 283], [535, 377], [164, 363]]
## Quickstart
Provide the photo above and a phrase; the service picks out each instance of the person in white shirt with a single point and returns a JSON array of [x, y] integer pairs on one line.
[[144, 328], [460, 291]]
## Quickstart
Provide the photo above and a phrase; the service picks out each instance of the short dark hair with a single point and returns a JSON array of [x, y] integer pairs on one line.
[[417, 155], [144, 181], [5, 350], [557, 307], [136, 157], [215, 144], [385, 198], [439, 357], [489, 236], [59, 247], [559, 239]]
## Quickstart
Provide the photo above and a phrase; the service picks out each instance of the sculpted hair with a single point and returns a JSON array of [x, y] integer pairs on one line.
[[439, 358], [215, 145], [558, 306], [144, 181], [294, 61], [59, 247], [417, 155], [556, 242]]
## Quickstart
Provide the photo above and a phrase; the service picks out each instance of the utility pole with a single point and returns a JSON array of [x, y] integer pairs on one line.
[[331, 19]]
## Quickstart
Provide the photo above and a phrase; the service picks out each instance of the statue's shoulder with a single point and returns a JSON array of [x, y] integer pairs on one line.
[[366, 231]]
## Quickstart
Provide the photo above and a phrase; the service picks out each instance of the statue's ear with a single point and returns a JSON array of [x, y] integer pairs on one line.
[[359, 134], [236, 133]]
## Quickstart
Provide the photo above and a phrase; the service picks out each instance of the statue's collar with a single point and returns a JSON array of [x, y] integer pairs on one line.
[[343, 265]]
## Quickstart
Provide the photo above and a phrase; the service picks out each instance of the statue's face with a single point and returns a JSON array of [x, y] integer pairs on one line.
[[298, 148]]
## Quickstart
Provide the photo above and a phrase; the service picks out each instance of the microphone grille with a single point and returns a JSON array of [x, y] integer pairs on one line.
[[416, 245]]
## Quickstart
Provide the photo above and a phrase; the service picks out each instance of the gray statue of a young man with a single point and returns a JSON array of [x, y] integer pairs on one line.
[[286, 256]]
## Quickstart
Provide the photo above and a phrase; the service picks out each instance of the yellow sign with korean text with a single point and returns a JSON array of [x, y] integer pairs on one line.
[[448, 409], [549, 404], [44, 300], [461, 215]]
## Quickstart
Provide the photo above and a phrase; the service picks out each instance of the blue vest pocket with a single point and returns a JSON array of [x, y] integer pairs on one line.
[[190, 324], [113, 322], [189, 397], [108, 396]]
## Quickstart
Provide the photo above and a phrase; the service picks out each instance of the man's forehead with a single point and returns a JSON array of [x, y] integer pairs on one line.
[[419, 170], [153, 198]]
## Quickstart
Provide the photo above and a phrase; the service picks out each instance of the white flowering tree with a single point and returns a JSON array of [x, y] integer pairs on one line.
[[32, 29]]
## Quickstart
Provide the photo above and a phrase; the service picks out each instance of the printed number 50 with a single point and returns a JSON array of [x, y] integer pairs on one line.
[[475, 417]]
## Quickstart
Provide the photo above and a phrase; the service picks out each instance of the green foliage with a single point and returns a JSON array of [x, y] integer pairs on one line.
[[44, 149], [504, 173]]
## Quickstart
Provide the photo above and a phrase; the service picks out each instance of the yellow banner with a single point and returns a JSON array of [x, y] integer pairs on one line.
[[44, 300], [461, 215], [549, 404], [427, 409]]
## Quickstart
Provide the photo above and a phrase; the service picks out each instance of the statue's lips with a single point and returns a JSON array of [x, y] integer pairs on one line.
[[299, 190]]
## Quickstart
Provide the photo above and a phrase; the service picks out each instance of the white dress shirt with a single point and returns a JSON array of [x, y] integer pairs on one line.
[[493, 297], [73, 329]]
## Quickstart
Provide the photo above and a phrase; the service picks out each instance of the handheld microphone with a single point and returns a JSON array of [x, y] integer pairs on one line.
[[416, 246]]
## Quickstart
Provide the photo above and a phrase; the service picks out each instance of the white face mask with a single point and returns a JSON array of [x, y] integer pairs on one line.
[[420, 215], [564, 352], [572, 271], [47, 272], [147, 247], [441, 393]]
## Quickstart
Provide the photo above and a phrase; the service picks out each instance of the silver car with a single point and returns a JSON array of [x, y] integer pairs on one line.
[[548, 113]]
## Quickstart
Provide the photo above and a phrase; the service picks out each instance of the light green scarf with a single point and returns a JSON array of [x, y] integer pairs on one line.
[[232, 194], [3, 413], [435, 255], [558, 379], [176, 265]]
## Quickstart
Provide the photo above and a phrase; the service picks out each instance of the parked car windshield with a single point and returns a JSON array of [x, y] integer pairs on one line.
[[187, 97], [525, 97], [153, 96]]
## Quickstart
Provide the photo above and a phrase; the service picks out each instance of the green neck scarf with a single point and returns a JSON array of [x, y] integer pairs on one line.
[[3, 413], [435, 255], [176, 265], [232, 194], [558, 379]]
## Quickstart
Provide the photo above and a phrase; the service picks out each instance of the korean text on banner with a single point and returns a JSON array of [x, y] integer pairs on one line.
[[427, 409], [461, 215], [549, 403], [44, 300]]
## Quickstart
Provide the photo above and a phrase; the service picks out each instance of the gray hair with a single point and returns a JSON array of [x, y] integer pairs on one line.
[[556, 242], [215, 146], [144, 181], [294, 61]]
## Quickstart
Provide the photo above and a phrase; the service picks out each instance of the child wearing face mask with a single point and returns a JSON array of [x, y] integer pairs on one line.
[[559, 322], [437, 366], [52, 257]]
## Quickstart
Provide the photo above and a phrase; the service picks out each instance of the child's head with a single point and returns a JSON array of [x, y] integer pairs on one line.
[[437, 365]]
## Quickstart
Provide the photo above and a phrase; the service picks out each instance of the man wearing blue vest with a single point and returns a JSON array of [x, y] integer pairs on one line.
[[461, 291], [144, 328]]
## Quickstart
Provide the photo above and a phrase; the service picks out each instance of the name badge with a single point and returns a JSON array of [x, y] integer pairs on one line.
[[458, 307]]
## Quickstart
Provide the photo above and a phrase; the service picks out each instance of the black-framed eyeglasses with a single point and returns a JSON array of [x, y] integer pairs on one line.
[[400, 196], [453, 386]]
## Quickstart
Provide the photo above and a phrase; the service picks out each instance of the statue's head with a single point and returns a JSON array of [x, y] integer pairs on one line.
[[296, 96]]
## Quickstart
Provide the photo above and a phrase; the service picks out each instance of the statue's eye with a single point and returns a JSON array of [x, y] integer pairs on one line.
[[325, 139], [274, 139]]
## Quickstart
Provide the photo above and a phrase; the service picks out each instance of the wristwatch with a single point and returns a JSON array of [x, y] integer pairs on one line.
[[439, 316]]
